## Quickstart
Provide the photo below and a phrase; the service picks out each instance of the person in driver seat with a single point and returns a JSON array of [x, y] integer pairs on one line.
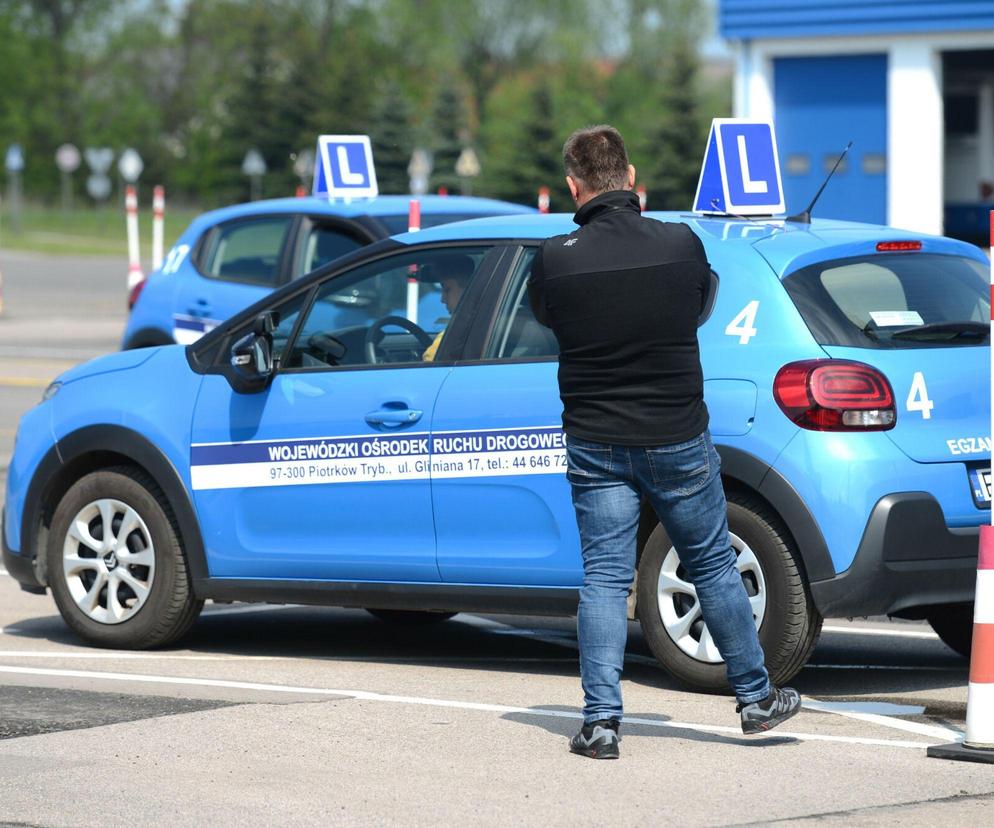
[[453, 273]]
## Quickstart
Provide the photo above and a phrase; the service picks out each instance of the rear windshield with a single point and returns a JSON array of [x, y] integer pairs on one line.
[[398, 224], [902, 300]]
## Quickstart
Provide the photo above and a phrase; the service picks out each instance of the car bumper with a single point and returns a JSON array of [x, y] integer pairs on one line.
[[907, 558], [21, 568]]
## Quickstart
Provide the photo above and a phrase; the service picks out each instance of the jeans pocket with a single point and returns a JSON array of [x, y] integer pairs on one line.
[[682, 468], [586, 461]]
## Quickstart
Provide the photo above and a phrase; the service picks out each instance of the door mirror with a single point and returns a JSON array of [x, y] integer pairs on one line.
[[252, 365]]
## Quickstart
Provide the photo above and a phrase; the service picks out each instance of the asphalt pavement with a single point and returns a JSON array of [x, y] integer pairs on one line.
[[271, 714]]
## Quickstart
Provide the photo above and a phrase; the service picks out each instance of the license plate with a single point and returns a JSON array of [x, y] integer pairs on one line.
[[980, 480]]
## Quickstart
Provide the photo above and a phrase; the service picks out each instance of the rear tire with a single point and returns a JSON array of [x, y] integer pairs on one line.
[[115, 563], [790, 623], [410, 618], [953, 623]]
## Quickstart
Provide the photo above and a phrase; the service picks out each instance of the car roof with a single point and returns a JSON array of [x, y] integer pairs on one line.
[[384, 205], [785, 245]]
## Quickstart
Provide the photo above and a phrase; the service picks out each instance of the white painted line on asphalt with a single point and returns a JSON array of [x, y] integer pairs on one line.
[[883, 632], [871, 712], [914, 668], [366, 695], [114, 656], [4, 572], [68, 354]]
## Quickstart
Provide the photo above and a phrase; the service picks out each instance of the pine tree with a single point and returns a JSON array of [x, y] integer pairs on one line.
[[448, 134], [392, 137]]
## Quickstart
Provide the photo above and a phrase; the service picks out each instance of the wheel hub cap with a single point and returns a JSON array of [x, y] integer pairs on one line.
[[108, 561], [680, 610]]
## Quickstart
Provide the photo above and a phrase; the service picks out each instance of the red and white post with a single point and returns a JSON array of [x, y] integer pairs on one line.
[[135, 274], [413, 226], [543, 199], [640, 189], [978, 744], [158, 219]]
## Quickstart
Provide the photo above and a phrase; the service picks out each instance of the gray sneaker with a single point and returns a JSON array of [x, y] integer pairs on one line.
[[760, 716], [598, 740]]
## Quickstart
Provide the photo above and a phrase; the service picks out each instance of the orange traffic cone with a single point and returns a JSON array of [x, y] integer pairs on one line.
[[978, 746]]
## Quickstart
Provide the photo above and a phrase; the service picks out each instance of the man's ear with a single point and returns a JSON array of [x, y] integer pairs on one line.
[[574, 188], [631, 177]]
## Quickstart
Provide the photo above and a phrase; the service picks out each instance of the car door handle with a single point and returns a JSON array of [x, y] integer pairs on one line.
[[393, 416]]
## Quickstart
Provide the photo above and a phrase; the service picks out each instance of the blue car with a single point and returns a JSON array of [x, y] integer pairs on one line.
[[305, 451], [230, 258]]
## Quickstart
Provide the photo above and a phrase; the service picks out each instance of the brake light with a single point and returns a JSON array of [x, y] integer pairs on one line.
[[898, 246], [835, 395], [135, 292]]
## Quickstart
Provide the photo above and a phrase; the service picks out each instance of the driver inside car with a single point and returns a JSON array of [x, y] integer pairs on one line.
[[453, 274]]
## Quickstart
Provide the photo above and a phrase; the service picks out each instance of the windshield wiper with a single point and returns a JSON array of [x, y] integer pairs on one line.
[[945, 331]]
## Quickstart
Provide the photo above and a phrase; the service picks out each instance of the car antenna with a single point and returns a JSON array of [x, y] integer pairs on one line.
[[805, 217]]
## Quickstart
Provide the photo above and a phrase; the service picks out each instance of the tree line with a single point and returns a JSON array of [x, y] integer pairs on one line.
[[193, 85]]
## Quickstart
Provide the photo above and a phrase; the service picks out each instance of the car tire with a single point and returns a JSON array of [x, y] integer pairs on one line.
[[789, 622], [145, 597], [410, 617], [953, 623]]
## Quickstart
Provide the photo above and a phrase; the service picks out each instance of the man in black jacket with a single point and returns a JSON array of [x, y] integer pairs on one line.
[[623, 295]]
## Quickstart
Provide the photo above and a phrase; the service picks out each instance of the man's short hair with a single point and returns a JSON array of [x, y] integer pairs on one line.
[[451, 266], [596, 157]]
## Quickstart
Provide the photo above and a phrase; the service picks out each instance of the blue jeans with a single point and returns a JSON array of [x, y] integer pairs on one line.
[[683, 484]]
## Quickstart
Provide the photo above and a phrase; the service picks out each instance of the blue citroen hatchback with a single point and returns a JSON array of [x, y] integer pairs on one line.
[[228, 259], [304, 451]]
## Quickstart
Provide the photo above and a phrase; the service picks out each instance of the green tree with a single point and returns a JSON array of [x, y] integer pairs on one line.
[[392, 136], [449, 136]]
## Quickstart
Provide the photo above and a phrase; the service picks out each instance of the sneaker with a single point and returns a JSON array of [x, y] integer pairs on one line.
[[780, 705], [598, 740]]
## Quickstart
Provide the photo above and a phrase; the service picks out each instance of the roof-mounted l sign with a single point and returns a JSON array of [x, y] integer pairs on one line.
[[741, 172], [345, 167]]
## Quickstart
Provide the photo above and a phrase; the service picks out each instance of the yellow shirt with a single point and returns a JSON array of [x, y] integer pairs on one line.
[[432, 349]]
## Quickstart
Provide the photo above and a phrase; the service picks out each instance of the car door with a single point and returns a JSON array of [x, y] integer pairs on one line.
[[325, 474], [503, 513], [234, 265]]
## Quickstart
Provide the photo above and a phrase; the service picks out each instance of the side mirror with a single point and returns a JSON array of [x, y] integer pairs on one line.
[[252, 365]]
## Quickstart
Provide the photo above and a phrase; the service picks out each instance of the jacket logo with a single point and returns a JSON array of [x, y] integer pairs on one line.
[[570, 243]]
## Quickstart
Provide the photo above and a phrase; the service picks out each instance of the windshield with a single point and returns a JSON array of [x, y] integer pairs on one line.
[[905, 300]]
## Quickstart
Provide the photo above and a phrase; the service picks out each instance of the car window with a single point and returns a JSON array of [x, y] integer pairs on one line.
[[517, 334], [392, 311], [399, 223], [246, 251], [907, 300], [321, 245]]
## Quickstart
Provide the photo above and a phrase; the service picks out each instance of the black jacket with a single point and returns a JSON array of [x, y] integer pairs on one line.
[[623, 295]]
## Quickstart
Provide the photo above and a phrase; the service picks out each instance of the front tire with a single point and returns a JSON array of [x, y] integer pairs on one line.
[[953, 623], [115, 563], [788, 622]]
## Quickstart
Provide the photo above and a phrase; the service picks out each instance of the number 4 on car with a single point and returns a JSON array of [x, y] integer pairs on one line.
[[337, 443]]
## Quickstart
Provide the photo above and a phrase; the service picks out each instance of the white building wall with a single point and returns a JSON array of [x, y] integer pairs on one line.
[[915, 113]]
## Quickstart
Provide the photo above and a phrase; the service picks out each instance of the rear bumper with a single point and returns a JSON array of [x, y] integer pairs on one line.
[[907, 558], [21, 568]]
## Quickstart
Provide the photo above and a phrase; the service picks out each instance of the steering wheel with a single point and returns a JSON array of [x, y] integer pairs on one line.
[[374, 336]]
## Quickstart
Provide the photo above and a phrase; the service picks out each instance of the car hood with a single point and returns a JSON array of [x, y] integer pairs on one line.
[[120, 361]]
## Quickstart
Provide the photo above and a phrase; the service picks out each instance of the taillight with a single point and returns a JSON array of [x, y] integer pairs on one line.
[[898, 246], [835, 395], [136, 291]]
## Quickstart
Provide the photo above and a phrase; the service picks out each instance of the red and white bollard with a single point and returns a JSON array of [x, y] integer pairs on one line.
[[158, 220], [301, 191], [135, 274], [413, 226], [543, 199], [640, 189], [978, 744], [443, 190]]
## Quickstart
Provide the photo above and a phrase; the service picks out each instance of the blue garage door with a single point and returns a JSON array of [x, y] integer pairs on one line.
[[820, 105]]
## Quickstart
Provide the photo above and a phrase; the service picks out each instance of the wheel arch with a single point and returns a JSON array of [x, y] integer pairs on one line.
[[149, 337], [744, 472], [98, 447]]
